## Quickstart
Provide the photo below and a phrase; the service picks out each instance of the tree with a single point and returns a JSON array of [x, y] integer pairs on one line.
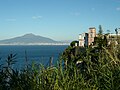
[[116, 30], [100, 30], [72, 44]]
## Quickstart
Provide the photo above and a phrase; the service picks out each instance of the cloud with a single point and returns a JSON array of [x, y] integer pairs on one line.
[[36, 17], [11, 20], [118, 8]]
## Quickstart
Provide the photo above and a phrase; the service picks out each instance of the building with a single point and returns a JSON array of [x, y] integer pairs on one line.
[[87, 39], [83, 40], [91, 35], [113, 38]]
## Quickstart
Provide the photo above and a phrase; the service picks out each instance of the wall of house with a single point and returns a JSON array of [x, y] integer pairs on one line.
[[81, 40], [87, 39], [91, 35]]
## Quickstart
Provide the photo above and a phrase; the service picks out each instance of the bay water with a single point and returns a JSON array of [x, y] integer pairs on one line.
[[39, 54]]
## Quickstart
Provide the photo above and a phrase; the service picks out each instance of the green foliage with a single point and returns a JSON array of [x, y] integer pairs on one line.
[[100, 30], [101, 41], [100, 66], [72, 44], [99, 70]]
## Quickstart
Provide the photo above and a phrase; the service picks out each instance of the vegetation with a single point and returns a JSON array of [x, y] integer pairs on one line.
[[72, 44], [92, 68], [100, 30]]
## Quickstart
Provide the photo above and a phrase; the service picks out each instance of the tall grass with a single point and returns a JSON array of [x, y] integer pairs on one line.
[[104, 74]]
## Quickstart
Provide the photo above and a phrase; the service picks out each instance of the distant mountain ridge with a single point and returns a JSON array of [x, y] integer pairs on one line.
[[28, 39]]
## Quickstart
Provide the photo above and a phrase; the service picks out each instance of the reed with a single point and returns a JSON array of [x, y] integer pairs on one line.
[[101, 74]]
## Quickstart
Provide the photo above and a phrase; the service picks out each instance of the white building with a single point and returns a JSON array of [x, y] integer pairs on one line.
[[83, 40], [114, 38]]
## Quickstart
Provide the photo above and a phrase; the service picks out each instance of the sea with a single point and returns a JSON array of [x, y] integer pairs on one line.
[[28, 54]]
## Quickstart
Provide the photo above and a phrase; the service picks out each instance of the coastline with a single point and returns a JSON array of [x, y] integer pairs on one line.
[[25, 44]]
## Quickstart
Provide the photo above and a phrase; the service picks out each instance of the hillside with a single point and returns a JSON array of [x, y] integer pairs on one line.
[[28, 39]]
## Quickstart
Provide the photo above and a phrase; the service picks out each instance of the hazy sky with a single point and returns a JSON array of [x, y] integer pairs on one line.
[[57, 19]]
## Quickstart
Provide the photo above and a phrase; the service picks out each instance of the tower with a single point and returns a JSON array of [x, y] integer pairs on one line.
[[91, 35]]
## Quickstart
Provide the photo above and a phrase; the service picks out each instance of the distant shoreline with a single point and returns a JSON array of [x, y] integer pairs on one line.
[[22, 44]]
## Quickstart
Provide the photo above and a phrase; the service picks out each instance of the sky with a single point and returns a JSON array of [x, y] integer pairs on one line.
[[57, 19]]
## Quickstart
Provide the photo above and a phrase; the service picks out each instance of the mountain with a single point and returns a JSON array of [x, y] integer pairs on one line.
[[28, 39]]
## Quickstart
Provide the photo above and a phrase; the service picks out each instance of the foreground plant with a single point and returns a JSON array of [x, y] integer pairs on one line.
[[99, 70]]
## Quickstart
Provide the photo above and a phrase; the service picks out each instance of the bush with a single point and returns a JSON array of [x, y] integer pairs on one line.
[[99, 70]]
